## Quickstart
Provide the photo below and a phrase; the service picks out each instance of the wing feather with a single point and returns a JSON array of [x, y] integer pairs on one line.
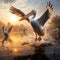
[[3, 28], [9, 30], [42, 20], [16, 11]]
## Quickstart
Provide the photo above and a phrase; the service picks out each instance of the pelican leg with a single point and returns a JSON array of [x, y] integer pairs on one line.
[[39, 38], [2, 43], [36, 37], [5, 39]]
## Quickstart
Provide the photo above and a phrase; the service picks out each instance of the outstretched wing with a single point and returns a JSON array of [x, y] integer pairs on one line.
[[16, 11], [20, 13], [9, 30], [3, 28], [42, 20]]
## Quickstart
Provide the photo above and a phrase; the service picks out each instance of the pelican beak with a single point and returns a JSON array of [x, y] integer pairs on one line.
[[21, 19]]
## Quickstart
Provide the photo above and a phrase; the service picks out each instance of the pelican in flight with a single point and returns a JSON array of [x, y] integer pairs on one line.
[[35, 23], [24, 31], [6, 34]]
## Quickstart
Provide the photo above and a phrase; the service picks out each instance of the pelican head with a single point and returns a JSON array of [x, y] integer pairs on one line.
[[33, 12]]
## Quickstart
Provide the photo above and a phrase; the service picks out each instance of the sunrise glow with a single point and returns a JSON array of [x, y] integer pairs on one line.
[[15, 50], [13, 19]]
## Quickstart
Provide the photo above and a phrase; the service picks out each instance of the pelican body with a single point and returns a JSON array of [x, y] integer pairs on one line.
[[36, 27]]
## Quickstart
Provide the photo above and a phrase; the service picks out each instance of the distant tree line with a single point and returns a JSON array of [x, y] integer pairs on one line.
[[54, 28]]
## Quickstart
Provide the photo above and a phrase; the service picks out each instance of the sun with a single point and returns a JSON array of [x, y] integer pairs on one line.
[[13, 19]]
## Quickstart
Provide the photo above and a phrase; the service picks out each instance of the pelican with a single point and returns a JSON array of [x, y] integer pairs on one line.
[[24, 31], [37, 23], [6, 34]]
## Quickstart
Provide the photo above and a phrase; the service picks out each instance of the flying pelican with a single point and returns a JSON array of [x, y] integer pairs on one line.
[[24, 31], [36, 23], [6, 34]]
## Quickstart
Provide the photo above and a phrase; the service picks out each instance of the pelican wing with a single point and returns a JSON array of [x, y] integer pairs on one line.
[[20, 13], [42, 20], [9, 30], [3, 28], [16, 11]]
